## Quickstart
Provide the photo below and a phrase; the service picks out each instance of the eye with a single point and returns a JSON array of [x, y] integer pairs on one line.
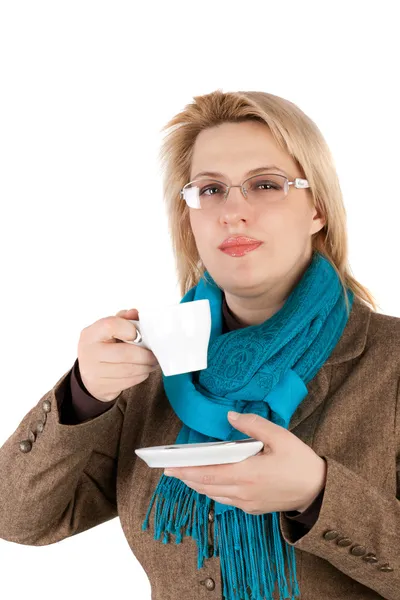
[[208, 189], [266, 185]]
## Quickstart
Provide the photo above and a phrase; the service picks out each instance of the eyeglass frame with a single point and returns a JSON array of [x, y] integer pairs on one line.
[[298, 182]]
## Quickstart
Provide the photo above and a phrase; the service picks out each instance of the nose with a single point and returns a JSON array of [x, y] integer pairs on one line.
[[236, 207]]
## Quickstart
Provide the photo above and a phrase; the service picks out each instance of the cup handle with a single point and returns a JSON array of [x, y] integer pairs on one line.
[[138, 341]]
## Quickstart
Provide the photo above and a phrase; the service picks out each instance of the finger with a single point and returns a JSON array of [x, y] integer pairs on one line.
[[125, 353], [110, 328], [230, 474], [223, 500], [131, 313], [256, 426], [121, 371], [228, 491]]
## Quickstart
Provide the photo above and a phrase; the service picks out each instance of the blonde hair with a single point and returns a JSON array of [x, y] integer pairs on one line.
[[293, 131]]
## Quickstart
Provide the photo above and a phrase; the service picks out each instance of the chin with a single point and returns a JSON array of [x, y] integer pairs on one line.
[[240, 282]]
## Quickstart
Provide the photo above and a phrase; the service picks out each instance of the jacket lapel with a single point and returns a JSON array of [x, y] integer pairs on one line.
[[350, 345]]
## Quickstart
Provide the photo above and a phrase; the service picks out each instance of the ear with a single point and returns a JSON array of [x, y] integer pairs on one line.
[[318, 221]]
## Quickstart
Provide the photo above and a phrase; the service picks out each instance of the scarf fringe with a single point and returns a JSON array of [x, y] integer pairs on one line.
[[249, 546]]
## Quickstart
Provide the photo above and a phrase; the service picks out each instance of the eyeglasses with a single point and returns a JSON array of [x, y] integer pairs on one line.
[[263, 190]]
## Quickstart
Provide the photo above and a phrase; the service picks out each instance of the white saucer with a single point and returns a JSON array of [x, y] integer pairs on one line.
[[195, 455]]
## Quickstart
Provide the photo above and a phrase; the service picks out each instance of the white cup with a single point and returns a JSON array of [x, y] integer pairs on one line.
[[178, 335]]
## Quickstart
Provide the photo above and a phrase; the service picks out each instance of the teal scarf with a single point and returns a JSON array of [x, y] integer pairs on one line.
[[262, 369]]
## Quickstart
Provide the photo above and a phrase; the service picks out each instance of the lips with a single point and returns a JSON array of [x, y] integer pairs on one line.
[[238, 241], [240, 250]]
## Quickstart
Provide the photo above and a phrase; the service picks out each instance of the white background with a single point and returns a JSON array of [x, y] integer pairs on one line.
[[86, 87]]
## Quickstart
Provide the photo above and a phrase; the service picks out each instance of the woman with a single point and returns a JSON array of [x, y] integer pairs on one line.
[[298, 352]]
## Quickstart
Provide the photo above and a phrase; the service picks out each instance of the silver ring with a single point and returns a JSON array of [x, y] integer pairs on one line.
[[138, 337]]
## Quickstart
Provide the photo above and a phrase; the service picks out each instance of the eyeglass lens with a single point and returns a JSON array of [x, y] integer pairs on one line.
[[261, 189]]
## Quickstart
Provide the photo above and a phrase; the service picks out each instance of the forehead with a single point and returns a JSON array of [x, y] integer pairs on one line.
[[233, 149]]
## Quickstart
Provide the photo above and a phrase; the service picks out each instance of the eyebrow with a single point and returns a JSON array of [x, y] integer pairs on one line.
[[249, 173]]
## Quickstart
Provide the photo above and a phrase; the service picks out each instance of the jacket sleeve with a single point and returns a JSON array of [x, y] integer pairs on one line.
[[58, 480], [357, 531]]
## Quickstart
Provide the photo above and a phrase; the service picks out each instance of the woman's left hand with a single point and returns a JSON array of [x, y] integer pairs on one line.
[[286, 475]]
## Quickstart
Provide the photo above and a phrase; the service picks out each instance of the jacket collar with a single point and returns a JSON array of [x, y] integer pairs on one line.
[[350, 345], [354, 337]]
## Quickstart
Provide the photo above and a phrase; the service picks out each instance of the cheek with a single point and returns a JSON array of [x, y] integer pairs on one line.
[[194, 220], [289, 224], [285, 233], [201, 231]]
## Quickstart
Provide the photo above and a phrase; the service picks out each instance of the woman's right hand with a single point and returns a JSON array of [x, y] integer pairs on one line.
[[107, 366]]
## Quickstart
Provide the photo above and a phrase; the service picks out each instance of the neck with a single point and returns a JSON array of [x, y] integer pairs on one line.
[[255, 309]]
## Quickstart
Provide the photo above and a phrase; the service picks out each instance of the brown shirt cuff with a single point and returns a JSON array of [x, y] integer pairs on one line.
[[78, 404], [310, 516]]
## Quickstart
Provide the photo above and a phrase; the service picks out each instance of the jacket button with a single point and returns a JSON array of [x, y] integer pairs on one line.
[[209, 583], [385, 568], [39, 426], [46, 406], [31, 436], [211, 516], [44, 418], [331, 534], [344, 541], [358, 550], [25, 446], [370, 558]]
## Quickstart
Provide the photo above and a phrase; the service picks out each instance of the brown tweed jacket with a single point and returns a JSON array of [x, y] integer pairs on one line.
[[74, 477]]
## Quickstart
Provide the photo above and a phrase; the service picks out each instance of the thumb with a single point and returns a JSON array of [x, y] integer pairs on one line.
[[254, 426], [132, 313]]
